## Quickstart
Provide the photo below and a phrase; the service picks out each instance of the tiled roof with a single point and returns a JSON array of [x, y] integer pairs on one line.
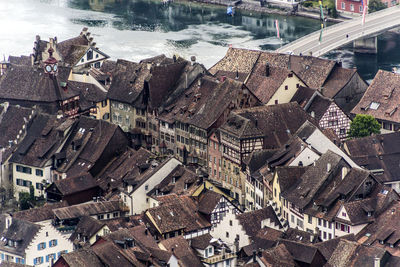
[[86, 227], [179, 246], [40, 143], [336, 81], [39, 214], [87, 209], [258, 122], [22, 82], [209, 201], [21, 231], [312, 70], [22, 60], [381, 98], [73, 185], [328, 247], [377, 152], [306, 188], [181, 181], [204, 102], [129, 164], [251, 221], [94, 137], [82, 258], [303, 95], [179, 213], [263, 86], [201, 242], [289, 175], [278, 256]]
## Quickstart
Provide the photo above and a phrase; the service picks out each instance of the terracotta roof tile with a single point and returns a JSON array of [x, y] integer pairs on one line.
[[381, 98]]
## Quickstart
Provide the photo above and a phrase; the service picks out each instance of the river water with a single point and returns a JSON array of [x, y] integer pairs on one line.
[[138, 29]]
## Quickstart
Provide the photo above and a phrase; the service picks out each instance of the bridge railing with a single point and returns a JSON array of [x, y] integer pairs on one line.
[[334, 26]]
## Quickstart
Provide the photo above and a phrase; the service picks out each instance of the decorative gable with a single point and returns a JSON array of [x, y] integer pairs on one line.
[[342, 214], [92, 56]]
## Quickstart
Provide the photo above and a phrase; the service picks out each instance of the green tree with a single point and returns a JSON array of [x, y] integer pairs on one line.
[[32, 193], [375, 5], [364, 125], [24, 200]]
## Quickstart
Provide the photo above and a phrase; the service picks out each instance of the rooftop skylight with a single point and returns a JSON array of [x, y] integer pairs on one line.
[[374, 105]]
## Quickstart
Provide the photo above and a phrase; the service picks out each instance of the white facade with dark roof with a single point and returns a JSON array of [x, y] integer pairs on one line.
[[40, 248]]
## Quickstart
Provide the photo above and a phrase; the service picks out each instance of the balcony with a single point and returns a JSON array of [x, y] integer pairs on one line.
[[219, 258]]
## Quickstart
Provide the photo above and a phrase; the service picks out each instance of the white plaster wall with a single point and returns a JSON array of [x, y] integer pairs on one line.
[[63, 243], [219, 231], [322, 144], [139, 195], [307, 157]]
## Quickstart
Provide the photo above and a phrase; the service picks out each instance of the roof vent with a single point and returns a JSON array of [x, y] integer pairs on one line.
[[328, 167]]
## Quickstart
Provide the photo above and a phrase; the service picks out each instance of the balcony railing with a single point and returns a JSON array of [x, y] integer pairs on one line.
[[219, 258]]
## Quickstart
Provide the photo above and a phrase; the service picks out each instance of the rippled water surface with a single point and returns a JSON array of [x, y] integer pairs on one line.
[[138, 29]]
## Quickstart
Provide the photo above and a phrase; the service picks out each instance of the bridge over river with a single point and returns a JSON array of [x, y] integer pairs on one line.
[[351, 31]]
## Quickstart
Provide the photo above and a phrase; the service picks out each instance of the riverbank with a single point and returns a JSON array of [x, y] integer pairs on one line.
[[254, 6]]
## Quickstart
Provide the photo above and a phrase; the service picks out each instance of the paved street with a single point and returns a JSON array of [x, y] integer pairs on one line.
[[336, 36]]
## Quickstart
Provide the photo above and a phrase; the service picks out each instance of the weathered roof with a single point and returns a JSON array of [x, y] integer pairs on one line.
[[204, 102], [22, 60], [386, 228], [251, 221], [87, 227], [29, 83], [278, 256], [129, 165], [89, 209], [21, 231], [313, 71], [263, 86], [201, 242], [179, 246], [92, 138], [39, 214], [258, 158], [72, 185], [338, 78], [381, 98], [258, 122], [82, 258], [328, 247], [289, 175], [209, 201], [111, 255], [301, 252], [40, 143], [377, 152], [180, 213], [181, 181], [157, 76], [306, 188]]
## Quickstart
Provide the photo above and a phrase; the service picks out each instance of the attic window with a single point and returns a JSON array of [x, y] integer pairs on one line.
[[374, 105]]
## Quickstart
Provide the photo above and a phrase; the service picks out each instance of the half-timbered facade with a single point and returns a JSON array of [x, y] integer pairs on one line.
[[253, 129], [215, 206], [334, 118]]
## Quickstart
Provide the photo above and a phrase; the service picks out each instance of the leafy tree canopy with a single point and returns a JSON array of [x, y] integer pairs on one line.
[[375, 5], [364, 125]]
